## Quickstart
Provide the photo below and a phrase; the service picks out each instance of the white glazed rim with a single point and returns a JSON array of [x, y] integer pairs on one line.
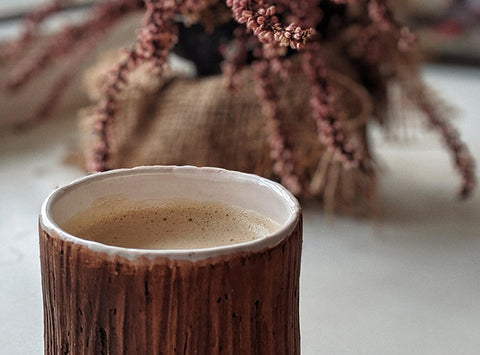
[[48, 224]]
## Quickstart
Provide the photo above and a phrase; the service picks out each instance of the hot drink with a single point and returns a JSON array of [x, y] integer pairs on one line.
[[176, 224]]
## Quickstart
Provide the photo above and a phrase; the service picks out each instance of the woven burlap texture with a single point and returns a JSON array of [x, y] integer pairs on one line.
[[197, 121]]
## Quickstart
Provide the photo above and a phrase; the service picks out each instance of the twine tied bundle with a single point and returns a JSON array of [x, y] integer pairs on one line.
[[180, 120]]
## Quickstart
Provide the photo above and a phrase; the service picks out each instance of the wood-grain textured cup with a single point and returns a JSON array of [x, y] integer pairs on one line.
[[232, 299]]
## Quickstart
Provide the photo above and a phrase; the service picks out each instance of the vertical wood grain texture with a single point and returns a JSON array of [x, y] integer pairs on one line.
[[95, 303]]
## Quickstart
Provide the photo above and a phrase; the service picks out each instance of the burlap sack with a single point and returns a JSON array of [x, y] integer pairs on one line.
[[196, 121]]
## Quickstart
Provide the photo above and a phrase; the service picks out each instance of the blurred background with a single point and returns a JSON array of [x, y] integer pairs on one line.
[[403, 282], [449, 30]]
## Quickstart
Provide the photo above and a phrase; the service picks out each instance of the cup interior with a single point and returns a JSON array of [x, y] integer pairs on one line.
[[164, 183]]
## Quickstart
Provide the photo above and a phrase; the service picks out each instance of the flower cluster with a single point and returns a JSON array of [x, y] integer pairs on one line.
[[281, 151], [235, 55], [154, 41], [307, 14], [382, 16], [330, 126], [262, 20], [461, 155]]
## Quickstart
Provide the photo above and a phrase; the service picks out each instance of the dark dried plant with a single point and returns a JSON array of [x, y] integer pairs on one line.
[[269, 31]]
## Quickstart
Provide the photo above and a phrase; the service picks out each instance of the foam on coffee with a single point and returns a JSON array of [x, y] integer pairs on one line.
[[175, 224]]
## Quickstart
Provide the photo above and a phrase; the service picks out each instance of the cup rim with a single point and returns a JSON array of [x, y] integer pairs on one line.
[[48, 224]]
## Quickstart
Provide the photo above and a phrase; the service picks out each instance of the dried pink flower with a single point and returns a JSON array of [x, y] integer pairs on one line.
[[330, 126], [154, 41], [462, 157], [281, 150], [381, 14], [261, 19], [235, 55], [379, 49]]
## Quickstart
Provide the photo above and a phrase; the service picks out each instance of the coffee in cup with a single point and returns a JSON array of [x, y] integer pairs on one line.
[[175, 224]]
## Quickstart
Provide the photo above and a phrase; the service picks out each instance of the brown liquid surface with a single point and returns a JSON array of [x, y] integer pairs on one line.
[[178, 224]]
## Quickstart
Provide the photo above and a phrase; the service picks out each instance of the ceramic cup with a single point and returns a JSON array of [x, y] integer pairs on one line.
[[232, 299]]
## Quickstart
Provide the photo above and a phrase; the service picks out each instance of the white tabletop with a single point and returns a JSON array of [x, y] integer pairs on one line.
[[408, 283]]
